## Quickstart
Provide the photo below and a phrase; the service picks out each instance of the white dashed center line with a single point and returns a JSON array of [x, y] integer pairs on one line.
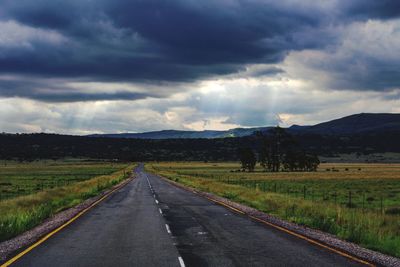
[[167, 227], [181, 262], [147, 178]]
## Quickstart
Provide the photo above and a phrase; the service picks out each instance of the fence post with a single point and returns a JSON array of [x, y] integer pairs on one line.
[[335, 197], [304, 192], [350, 199], [363, 200]]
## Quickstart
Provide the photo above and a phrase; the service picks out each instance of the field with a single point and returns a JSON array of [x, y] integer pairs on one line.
[[32, 192], [357, 202], [18, 179]]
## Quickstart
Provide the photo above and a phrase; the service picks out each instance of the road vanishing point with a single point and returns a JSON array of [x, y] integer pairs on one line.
[[150, 222]]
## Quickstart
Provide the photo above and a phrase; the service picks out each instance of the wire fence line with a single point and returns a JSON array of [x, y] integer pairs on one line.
[[37, 183], [350, 198]]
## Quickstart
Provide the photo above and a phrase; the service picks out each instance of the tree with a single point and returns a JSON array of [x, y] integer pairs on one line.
[[271, 153], [311, 162], [280, 151], [247, 159], [291, 160], [265, 155]]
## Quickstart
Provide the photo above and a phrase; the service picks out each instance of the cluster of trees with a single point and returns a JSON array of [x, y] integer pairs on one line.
[[279, 151]]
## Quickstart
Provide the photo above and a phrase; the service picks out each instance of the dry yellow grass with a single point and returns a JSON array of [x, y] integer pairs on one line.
[[368, 171]]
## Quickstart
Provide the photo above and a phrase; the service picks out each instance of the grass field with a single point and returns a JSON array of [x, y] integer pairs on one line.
[[357, 202], [18, 179], [32, 192]]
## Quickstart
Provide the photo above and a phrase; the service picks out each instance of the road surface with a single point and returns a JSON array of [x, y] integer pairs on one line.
[[150, 222]]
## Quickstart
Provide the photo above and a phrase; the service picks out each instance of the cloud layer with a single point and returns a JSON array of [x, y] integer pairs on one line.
[[225, 63]]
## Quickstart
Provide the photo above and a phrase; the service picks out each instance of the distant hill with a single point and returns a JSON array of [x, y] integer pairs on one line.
[[176, 134], [354, 124], [356, 135]]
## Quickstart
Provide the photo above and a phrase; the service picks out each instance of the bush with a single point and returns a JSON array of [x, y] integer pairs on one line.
[[393, 211]]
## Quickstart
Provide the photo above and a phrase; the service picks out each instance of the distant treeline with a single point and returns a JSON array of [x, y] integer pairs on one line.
[[39, 146]]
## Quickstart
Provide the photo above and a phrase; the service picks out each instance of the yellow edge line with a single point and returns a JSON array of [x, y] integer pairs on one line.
[[292, 233], [226, 205], [286, 231], [313, 241], [43, 239]]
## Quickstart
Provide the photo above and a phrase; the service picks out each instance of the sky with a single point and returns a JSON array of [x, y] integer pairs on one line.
[[100, 66]]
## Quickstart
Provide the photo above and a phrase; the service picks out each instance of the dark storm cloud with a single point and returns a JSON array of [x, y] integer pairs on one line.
[[213, 32], [372, 77], [154, 40], [382, 9], [51, 92], [178, 41]]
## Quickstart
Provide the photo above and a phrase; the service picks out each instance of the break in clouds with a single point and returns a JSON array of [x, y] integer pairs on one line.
[[114, 66]]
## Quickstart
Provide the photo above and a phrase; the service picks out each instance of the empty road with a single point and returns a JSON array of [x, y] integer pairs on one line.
[[150, 222]]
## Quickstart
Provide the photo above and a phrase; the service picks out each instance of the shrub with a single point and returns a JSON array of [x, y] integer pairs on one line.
[[393, 211]]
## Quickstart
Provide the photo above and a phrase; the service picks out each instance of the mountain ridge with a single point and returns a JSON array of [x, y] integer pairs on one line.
[[348, 125]]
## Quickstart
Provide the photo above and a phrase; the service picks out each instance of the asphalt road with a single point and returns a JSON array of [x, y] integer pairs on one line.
[[137, 226]]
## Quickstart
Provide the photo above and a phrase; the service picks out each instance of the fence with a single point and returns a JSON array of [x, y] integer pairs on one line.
[[349, 198], [36, 184]]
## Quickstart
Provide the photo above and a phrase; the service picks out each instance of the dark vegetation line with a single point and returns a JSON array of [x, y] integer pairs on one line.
[[39, 146]]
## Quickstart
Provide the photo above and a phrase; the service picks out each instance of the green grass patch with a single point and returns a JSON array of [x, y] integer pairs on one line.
[[18, 179], [20, 213]]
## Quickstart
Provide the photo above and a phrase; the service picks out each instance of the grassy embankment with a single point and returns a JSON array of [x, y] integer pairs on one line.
[[319, 200], [36, 191]]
